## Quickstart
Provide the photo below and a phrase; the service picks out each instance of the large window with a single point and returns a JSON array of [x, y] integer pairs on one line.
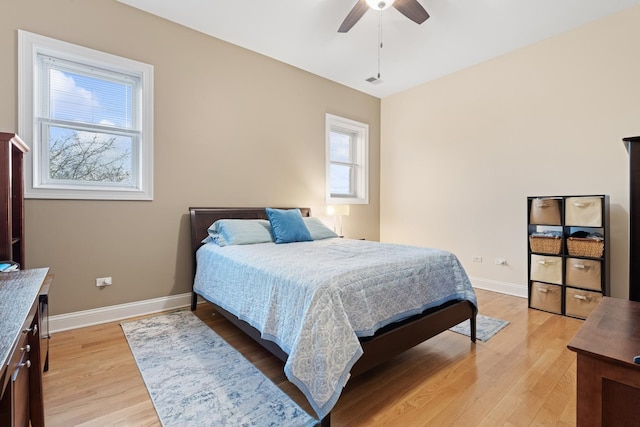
[[87, 116], [347, 161]]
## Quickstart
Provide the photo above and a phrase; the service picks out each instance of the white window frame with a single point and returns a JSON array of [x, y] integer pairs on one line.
[[361, 159], [36, 186]]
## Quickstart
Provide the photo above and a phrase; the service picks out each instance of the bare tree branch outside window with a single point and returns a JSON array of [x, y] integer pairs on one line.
[[89, 156]]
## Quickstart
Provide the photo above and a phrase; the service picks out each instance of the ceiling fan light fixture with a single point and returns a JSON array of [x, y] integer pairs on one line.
[[379, 4]]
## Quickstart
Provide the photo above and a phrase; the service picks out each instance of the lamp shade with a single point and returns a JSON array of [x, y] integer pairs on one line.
[[336, 210], [380, 4]]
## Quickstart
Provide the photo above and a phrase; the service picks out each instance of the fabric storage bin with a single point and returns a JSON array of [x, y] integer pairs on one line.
[[580, 303], [546, 269], [547, 297], [583, 211], [545, 212], [583, 273]]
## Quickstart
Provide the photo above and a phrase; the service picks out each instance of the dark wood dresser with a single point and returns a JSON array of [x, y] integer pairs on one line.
[[608, 380], [21, 354], [633, 147]]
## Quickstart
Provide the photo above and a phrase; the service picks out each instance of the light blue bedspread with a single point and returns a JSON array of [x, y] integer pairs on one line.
[[314, 299]]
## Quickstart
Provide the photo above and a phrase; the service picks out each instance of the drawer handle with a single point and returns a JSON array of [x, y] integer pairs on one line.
[[33, 330], [581, 204], [545, 262], [543, 290], [27, 364], [582, 297], [26, 348], [581, 266]]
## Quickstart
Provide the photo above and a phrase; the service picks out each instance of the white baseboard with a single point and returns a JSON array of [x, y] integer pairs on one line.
[[502, 287], [80, 319]]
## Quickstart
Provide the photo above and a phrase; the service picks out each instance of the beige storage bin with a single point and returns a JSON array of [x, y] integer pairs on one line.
[[583, 273], [580, 303], [583, 211], [546, 269], [547, 297], [545, 212]]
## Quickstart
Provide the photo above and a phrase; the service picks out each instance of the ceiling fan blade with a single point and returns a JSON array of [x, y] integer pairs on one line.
[[412, 10], [354, 16]]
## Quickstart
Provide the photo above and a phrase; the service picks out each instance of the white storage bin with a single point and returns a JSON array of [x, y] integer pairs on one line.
[[546, 269], [583, 211]]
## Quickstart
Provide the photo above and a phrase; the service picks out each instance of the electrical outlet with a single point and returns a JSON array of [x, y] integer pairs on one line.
[[103, 281], [476, 258], [500, 261]]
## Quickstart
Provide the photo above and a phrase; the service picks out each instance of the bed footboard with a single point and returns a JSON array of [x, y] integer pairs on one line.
[[397, 338], [387, 342]]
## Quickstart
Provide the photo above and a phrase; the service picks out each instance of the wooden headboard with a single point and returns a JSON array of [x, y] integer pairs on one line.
[[202, 218]]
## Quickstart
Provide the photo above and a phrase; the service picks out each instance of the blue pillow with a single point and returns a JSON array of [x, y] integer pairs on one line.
[[317, 229], [225, 232], [288, 226]]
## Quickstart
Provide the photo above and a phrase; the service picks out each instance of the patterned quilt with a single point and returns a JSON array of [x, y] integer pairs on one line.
[[314, 299]]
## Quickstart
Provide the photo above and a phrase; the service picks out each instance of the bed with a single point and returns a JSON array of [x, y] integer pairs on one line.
[[326, 339]]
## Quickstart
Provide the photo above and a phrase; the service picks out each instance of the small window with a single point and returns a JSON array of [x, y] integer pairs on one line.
[[347, 172], [88, 117]]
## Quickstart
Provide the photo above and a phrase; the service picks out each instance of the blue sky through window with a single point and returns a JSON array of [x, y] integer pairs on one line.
[[340, 151]]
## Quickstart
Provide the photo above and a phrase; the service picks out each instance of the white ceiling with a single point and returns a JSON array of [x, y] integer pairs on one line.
[[459, 33]]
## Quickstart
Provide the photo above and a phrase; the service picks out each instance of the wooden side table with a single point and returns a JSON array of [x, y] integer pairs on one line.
[[608, 381]]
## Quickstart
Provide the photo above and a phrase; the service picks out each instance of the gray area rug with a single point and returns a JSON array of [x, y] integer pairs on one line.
[[195, 378], [486, 327]]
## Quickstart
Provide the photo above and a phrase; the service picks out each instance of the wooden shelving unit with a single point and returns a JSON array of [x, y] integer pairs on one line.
[[12, 150], [568, 275]]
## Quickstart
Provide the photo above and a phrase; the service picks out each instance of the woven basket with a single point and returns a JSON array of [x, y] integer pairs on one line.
[[585, 247], [545, 244]]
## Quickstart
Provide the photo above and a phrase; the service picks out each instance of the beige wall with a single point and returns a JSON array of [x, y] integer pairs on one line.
[[232, 128], [461, 154]]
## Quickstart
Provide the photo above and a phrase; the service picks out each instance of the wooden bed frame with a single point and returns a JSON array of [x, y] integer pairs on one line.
[[386, 343]]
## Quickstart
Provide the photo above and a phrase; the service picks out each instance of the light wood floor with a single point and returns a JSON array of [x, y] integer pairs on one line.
[[523, 376]]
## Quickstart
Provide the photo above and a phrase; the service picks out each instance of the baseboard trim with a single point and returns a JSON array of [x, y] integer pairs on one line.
[[501, 287], [80, 319]]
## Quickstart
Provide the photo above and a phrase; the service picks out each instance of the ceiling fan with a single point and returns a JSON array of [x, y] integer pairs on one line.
[[409, 8]]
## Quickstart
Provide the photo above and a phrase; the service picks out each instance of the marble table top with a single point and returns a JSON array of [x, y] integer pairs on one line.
[[18, 291]]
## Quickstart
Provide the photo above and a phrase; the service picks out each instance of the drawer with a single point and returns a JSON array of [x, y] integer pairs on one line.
[[583, 211], [547, 297], [19, 382], [545, 212], [583, 273], [546, 269], [579, 303]]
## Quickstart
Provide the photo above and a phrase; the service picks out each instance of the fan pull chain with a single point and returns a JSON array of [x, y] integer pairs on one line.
[[379, 40]]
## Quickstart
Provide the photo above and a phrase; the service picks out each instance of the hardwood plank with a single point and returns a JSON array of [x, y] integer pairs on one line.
[[523, 376]]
